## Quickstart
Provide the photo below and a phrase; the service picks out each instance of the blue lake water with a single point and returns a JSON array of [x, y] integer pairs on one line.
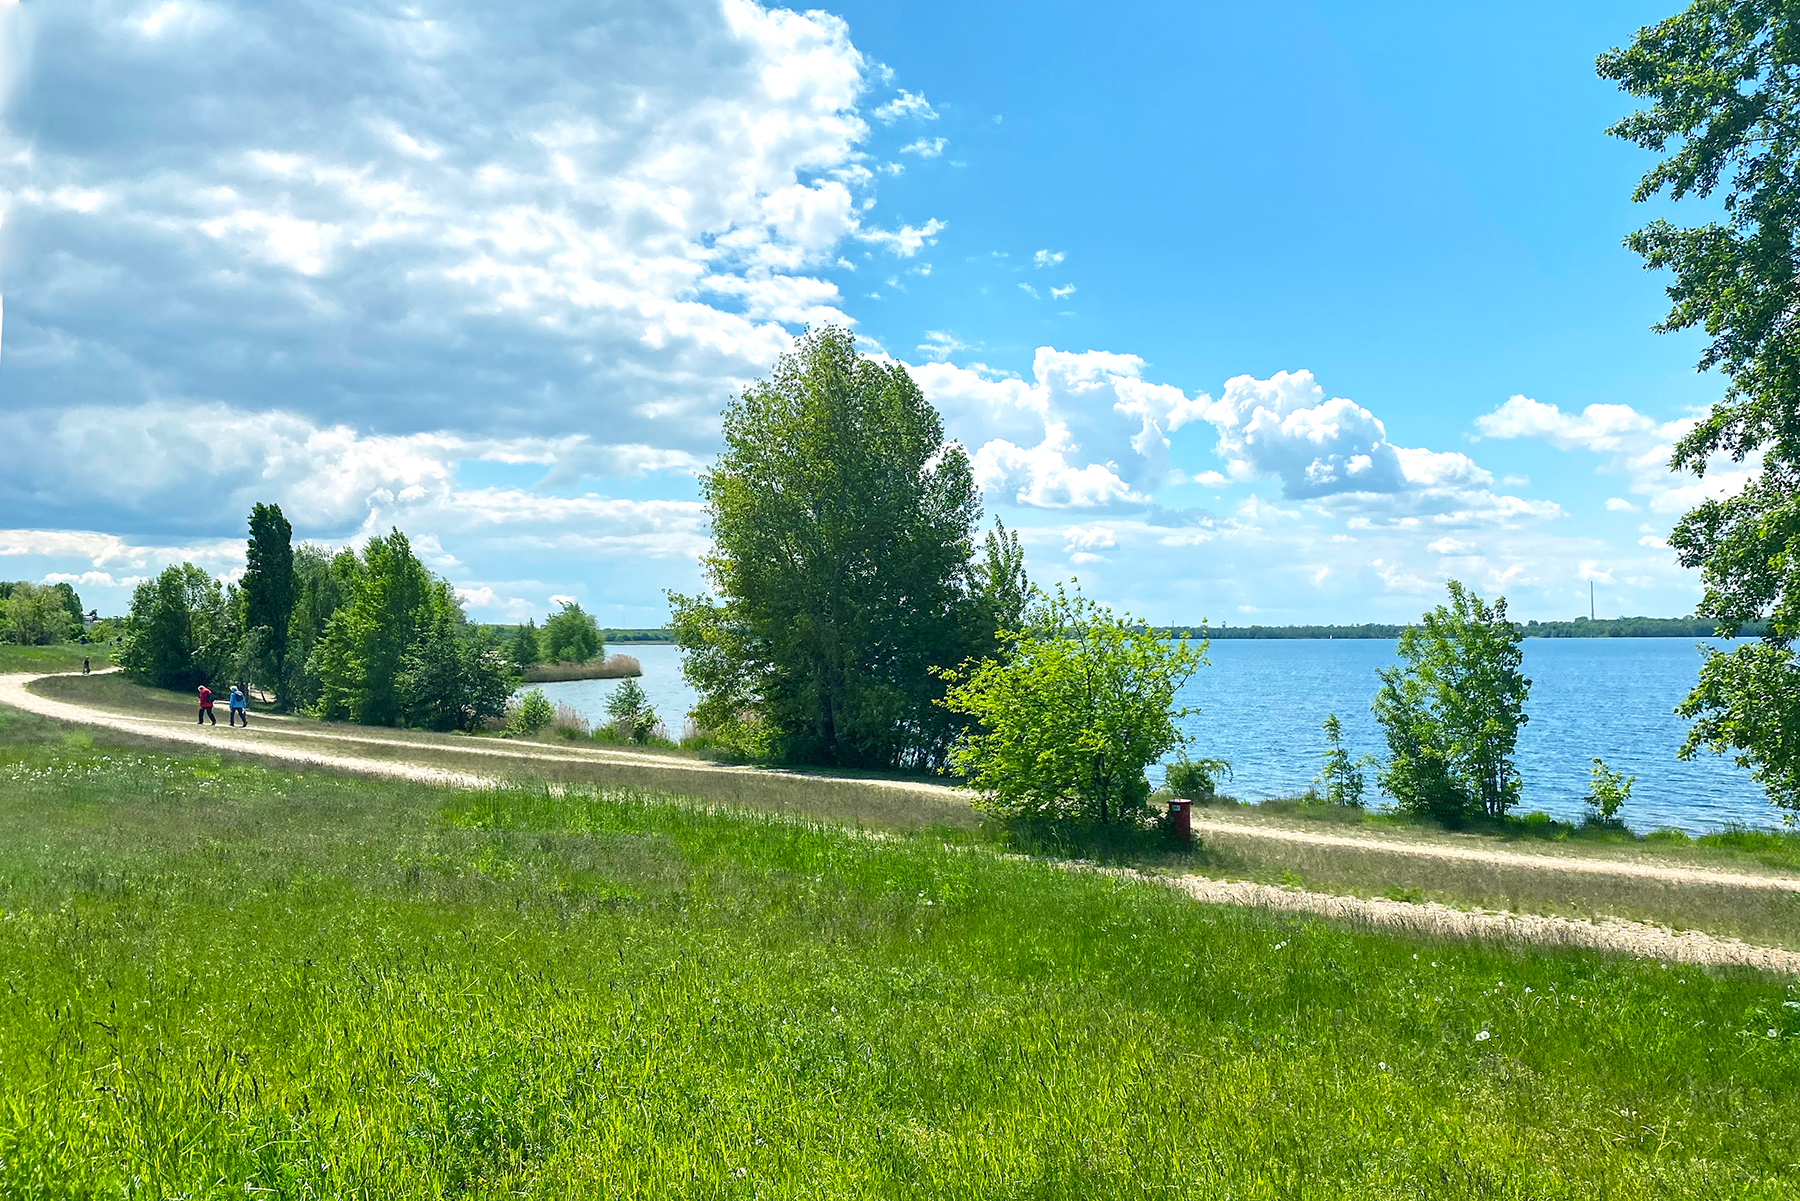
[[1262, 703]]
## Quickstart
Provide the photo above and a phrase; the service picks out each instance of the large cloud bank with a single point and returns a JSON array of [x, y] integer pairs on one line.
[[542, 218]]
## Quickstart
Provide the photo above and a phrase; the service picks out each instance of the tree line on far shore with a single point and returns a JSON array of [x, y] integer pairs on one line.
[[1580, 627]]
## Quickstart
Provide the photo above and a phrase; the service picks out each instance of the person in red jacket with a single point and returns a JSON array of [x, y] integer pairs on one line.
[[206, 713]]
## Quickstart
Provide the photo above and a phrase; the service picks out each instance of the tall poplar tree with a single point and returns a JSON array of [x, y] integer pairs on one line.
[[1724, 81], [268, 586], [841, 567]]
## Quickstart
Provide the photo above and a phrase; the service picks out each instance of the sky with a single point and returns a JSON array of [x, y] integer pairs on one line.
[[1266, 313]]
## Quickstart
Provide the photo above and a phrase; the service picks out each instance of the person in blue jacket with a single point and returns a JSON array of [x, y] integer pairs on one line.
[[240, 708]]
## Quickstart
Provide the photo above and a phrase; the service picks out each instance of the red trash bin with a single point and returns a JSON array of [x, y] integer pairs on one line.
[[1180, 827]]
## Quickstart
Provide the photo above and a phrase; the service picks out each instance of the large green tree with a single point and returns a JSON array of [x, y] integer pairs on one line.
[[182, 631], [1723, 78], [572, 636], [37, 613], [268, 587], [1453, 708], [323, 584], [366, 640], [841, 566]]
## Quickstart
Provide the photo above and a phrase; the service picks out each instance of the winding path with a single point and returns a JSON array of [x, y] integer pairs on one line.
[[273, 741]]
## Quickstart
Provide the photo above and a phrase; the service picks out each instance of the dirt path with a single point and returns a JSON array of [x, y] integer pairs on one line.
[[1429, 918], [268, 740], [13, 692], [1499, 858]]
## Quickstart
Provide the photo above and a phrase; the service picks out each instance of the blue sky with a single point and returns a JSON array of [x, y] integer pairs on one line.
[[1259, 313]]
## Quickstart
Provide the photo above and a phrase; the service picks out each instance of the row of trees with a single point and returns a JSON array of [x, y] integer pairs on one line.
[[39, 614], [371, 637]]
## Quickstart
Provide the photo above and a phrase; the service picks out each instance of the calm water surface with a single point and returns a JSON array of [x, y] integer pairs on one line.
[[1262, 703]]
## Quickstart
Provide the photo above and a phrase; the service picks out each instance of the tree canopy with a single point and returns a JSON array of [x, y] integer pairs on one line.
[[182, 631], [1065, 724], [572, 636], [1723, 79], [1453, 708], [268, 587], [842, 567]]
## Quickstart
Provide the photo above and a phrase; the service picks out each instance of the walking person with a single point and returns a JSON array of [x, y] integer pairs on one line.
[[84, 667], [206, 713], [240, 708]]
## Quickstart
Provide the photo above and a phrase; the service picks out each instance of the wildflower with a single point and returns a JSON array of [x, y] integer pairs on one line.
[[1281, 944], [1774, 1033], [1483, 1037], [1382, 1066]]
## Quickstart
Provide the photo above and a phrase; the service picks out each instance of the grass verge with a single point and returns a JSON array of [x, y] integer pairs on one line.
[[225, 980]]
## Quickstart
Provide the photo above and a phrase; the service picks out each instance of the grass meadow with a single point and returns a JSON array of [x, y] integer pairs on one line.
[[223, 980], [61, 656]]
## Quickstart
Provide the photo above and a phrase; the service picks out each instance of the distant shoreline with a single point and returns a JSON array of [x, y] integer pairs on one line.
[[1605, 627]]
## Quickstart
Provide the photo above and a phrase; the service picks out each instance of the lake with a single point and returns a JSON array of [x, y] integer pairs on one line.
[[1262, 702]]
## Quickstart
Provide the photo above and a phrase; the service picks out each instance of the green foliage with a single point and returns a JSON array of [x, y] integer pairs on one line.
[[397, 649], [323, 583], [1724, 82], [1747, 705], [572, 636], [1608, 790], [525, 646], [1067, 722], [367, 639], [841, 569], [632, 716], [268, 591], [453, 679], [1341, 775], [182, 632], [41, 614], [1196, 779], [531, 713], [1452, 711]]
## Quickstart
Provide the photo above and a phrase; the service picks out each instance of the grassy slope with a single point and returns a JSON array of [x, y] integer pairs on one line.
[[222, 979], [1757, 915], [64, 656]]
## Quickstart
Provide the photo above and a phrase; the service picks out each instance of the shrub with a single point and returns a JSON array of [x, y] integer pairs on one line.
[[1608, 790], [1196, 779], [531, 713], [1069, 720], [632, 717], [1452, 711], [1341, 775]]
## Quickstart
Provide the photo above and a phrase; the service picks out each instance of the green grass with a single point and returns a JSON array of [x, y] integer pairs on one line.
[[226, 981], [62, 656]]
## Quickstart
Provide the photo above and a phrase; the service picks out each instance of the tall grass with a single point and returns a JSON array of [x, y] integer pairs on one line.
[[226, 981]]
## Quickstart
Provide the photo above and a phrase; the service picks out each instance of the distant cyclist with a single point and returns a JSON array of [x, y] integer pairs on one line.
[[240, 708], [206, 713], [84, 667]]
